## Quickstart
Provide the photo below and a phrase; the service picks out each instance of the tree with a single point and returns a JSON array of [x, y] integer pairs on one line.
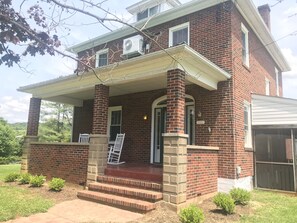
[[56, 122], [9, 145]]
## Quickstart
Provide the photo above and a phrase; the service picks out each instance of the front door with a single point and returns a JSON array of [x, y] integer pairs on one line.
[[159, 129]]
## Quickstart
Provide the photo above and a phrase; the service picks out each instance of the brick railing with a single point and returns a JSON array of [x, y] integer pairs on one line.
[[202, 171], [65, 160]]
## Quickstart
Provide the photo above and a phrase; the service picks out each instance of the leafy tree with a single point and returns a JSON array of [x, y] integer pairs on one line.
[[56, 122], [9, 145]]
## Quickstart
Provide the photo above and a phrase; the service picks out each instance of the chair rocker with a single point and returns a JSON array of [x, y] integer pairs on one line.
[[115, 151]]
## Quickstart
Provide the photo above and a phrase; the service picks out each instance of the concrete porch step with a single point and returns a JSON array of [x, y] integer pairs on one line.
[[125, 191], [118, 201], [130, 182]]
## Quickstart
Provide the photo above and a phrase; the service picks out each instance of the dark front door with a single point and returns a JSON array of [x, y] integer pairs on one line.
[[159, 129]]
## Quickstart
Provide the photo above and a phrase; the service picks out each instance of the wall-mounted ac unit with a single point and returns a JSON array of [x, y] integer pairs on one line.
[[133, 46]]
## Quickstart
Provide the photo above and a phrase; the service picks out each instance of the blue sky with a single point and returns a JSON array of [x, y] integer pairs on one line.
[[14, 105]]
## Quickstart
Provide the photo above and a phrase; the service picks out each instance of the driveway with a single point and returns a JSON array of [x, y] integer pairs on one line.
[[79, 211]]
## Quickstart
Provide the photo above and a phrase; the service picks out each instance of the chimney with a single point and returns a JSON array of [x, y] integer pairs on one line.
[[264, 11]]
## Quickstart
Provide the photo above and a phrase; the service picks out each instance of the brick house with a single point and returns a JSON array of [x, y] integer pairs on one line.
[[181, 91]]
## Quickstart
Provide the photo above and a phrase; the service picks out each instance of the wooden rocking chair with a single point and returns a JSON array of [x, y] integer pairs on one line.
[[115, 151]]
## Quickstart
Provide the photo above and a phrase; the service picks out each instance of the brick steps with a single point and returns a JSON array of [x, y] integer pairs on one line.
[[130, 182], [126, 191], [123, 202], [130, 194]]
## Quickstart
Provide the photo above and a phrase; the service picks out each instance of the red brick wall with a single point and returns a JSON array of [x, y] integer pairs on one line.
[[69, 162], [33, 117], [100, 111], [175, 101], [202, 172]]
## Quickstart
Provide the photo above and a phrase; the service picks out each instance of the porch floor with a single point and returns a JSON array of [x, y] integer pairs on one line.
[[139, 171]]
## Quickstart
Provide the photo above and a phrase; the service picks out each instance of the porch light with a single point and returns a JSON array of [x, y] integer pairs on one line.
[[145, 117]]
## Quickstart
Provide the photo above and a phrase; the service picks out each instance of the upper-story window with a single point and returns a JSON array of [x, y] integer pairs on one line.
[[267, 86], [277, 81], [102, 58], [245, 45], [179, 34], [148, 12]]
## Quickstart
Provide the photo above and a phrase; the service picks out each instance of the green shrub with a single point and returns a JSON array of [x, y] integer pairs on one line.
[[25, 178], [240, 196], [56, 184], [11, 177], [9, 160], [37, 181], [224, 201], [191, 214]]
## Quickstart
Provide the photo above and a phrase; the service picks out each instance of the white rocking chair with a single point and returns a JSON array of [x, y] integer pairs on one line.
[[83, 138], [115, 151]]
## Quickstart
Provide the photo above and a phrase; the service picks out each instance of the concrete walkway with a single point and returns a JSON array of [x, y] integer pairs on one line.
[[79, 211]]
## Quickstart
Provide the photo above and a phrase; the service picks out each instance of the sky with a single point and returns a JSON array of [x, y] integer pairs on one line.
[[14, 105]]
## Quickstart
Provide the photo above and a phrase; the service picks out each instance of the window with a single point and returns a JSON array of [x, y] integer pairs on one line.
[[148, 12], [247, 126], [267, 86], [179, 34], [114, 122], [277, 81], [245, 45], [102, 58]]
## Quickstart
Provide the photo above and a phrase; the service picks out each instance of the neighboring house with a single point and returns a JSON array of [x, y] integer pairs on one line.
[[181, 91]]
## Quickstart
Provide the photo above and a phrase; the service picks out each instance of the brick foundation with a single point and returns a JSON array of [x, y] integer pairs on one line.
[[26, 150], [202, 172], [68, 161]]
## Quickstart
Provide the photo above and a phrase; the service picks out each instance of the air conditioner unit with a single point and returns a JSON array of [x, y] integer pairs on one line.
[[133, 46]]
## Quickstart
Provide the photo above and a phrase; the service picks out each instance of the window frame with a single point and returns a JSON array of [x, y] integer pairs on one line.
[[267, 86], [245, 47], [248, 140], [277, 81], [178, 28], [110, 110], [149, 12], [101, 52]]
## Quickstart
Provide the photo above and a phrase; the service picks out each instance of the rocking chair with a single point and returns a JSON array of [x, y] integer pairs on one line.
[[115, 151]]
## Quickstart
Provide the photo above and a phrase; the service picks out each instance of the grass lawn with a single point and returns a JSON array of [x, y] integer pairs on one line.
[[272, 207], [6, 169], [16, 201]]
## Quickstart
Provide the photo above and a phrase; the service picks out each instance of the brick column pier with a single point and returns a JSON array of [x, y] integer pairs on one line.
[[175, 141], [98, 148], [32, 132]]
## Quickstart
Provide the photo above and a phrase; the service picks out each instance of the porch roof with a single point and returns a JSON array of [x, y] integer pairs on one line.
[[273, 112], [143, 73]]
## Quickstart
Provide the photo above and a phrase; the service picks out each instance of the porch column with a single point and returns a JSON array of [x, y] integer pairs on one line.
[[98, 148], [32, 131], [175, 141]]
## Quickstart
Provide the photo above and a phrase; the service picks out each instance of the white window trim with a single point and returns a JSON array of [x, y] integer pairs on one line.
[[98, 53], [247, 53], [176, 28], [248, 144], [267, 86], [277, 81], [110, 110]]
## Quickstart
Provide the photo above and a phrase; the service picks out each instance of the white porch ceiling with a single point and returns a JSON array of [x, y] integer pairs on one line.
[[139, 74]]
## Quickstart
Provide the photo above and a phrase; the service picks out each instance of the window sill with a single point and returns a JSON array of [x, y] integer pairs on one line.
[[246, 67], [248, 149]]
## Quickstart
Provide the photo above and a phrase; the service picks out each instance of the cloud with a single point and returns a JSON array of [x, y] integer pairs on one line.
[[14, 109]]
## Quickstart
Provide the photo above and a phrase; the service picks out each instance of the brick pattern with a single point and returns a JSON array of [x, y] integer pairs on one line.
[[118, 201], [33, 117], [202, 172], [130, 182], [100, 111], [175, 122], [60, 160], [126, 191], [26, 150]]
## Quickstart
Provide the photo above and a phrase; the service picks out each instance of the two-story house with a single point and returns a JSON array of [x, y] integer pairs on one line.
[[181, 91]]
